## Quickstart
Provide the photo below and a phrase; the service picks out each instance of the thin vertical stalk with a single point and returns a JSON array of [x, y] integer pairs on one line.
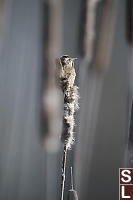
[[63, 172]]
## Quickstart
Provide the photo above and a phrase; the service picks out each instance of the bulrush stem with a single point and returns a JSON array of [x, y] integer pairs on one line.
[[63, 172]]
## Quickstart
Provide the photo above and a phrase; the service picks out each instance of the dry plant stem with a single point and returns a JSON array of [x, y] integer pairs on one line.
[[89, 29], [52, 109], [72, 194], [66, 76], [105, 35], [63, 172], [71, 179]]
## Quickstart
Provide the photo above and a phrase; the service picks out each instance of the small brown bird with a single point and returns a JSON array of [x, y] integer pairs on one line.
[[65, 70], [68, 69]]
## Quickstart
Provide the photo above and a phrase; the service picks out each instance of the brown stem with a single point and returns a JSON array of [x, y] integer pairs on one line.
[[63, 172]]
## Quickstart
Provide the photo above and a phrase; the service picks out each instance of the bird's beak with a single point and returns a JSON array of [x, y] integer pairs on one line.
[[74, 59]]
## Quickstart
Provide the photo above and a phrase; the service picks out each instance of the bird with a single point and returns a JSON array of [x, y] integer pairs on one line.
[[68, 68]]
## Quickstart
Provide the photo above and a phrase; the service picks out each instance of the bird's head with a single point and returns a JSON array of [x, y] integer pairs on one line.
[[67, 60]]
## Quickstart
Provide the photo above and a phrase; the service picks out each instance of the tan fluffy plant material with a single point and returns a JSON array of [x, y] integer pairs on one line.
[[66, 76], [65, 79]]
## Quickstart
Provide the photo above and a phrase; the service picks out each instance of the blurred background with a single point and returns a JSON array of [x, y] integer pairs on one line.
[[32, 34]]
